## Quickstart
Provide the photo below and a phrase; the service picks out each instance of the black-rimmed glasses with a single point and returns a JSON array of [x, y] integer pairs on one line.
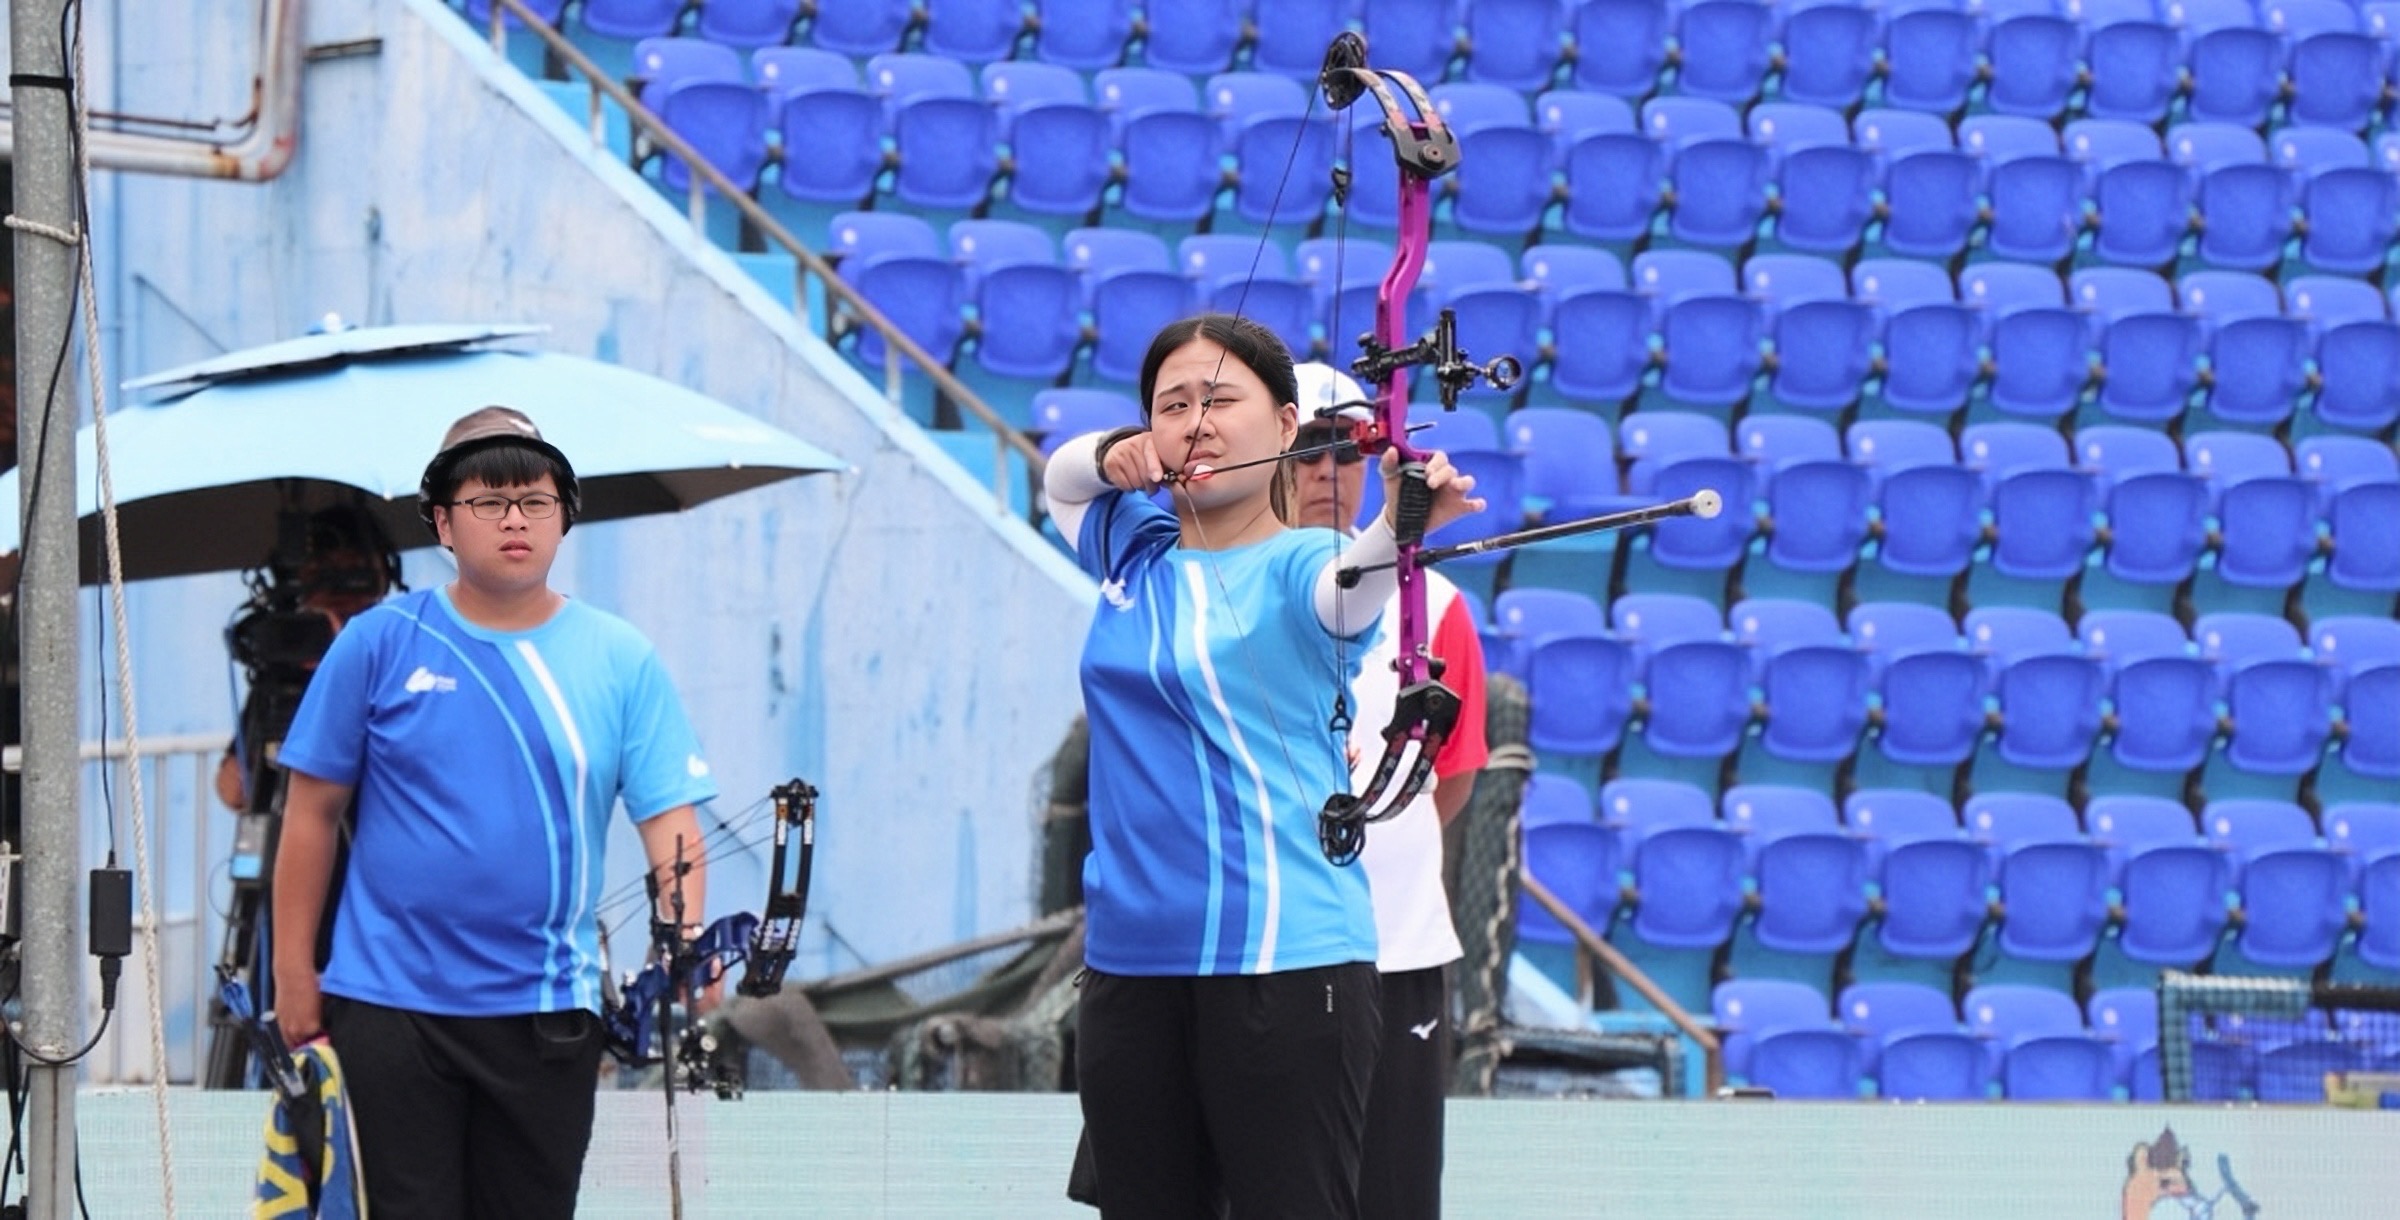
[[536, 507]]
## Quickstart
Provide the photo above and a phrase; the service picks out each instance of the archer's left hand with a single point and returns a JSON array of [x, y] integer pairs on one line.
[[1452, 489]]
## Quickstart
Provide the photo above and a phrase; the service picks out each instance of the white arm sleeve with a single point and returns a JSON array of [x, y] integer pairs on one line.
[[1071, 482], [1346, 612]]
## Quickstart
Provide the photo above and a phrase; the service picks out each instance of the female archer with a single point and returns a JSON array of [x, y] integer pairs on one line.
[[1229, 1019]]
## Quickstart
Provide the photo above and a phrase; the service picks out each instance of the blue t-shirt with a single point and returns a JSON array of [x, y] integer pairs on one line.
[[486, 764], [1208, 681]]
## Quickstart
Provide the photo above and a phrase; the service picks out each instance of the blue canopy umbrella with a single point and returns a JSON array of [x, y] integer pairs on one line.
[[204, 471]]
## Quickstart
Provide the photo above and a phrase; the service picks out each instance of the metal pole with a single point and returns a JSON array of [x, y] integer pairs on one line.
[[52, 958]]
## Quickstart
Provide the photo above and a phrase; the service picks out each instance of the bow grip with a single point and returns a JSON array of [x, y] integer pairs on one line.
[[1412, 506]]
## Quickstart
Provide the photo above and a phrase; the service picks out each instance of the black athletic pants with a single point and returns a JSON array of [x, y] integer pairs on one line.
[[1400, 1176], [1248, 1088], [468, 1117]]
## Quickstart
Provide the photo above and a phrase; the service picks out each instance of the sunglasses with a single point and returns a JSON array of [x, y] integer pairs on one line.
[[1324, 443]]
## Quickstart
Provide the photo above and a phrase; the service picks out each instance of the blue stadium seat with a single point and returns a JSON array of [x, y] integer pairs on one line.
[[2157, 513], [1060, 415], [2141, 200], [1931, 344], [2357, 350], [1917, 1048], [2349, 212], [1612, 355], [1413, 36], [1620, 46], [1824, 342], [2051, 699], [972, 31], [1504, 183], [861, 27], [1747, 1011], [903, 77], [1895, 815], [1933, 1065], [2295, 894], [2041, 505], [1692, 543], [1242, 275], [841, 126], [1579, 685], [1726, 46], [1929, 57], [1929, 508], [1931, 189], [2163, 693], [2041, 344], [2379, 905], [1698, 681], [2149, 351], [1811, 874], [1193, 37], [1577, 863], [744, 23], [2004, 821], [2127, 1019], [1086, 35], [2266, 518], [1570, 462], [1709, 333], [2257, 356], [1933, 889], [1720, 177], [725, 121], [1031, 305], [1824, 187], [1552, 799], [1568, 115], [947, 150], [1816, 503], [1615, 181], [2053, 881], [1514, 43], [2361, 831], [1292, 34], [1058, 142], [2048, 1054], [2133, 59], [1524, 617], [903, 268], [2033, 56], [1639, 807], [1132, 289], [1931, 712], [630, 19], [2234, 64], [660, 64], [1689, 882], [782, 69], [2035, 191], [2244, 200], [1829, 52], [2174, 900], [2337, 68]]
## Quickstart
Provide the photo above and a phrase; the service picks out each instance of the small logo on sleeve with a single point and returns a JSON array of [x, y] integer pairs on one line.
[[696, 765], [1113, 592], [426, 680]]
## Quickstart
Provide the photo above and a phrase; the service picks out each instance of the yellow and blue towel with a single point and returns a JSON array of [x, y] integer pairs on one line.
[[311, 1167]]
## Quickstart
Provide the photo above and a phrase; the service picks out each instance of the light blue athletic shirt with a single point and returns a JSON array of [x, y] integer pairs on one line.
[[486, 765], [1208, 680]]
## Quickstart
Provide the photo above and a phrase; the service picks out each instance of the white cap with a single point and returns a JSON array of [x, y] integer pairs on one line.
[[1329, 393]]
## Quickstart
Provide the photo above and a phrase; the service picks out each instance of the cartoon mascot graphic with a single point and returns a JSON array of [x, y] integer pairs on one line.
[[2158, 1184]]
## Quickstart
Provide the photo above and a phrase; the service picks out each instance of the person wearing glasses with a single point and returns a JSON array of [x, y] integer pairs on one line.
[[1227, 1026], [1400, 1175], [488, 727]]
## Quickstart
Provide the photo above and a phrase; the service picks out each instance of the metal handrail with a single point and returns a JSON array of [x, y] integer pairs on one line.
[[1711, 1050], [704, 177]]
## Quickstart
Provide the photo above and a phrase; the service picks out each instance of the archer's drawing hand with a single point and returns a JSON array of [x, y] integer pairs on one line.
[[1132, 464]]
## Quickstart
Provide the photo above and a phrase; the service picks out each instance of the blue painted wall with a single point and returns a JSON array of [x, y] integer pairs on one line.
[[885, 632]]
